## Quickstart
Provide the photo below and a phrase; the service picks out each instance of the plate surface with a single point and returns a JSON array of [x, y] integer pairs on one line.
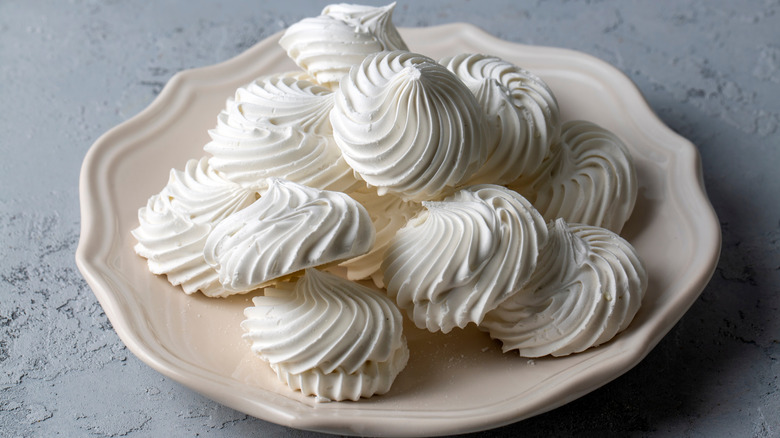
[[454, 383]]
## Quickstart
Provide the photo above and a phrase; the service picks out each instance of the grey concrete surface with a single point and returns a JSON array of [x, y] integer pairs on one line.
[[70, 70]]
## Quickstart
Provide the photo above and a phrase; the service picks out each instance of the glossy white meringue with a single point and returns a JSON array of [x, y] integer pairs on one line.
[[521, 110], [328, 337], [377, 21], [463, 256], [327, 46], [408, 126], [588, 178], [173, 246], [286, 99], [290, 228], [248, 148], [388, 214], [206, 197], [174, 224], [587, 287]]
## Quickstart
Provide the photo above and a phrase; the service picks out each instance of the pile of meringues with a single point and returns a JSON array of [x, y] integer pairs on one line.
[[453, 185]]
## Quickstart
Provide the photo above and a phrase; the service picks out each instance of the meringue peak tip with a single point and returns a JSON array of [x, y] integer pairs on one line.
[[560, 223], [388, 7], [411, 73]]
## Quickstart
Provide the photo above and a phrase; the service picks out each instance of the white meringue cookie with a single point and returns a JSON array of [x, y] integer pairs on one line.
[[249, 151], [587, 287], [286, 99], [329, 45], [408, 126], [377, 21], [174, 224], [328, 337], [388, 214], [521, 110], [290, 228], [203, 195], [463, 256], [173, 245], [588, 178]]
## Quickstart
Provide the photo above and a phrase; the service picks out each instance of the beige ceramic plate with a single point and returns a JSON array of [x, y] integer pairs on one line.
[[458, 382]]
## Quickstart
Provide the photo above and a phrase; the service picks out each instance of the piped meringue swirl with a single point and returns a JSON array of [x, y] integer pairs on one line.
[[388, 214], [327, 46], [377, 21], [521, 110], [328, 336], [588, 178], [463, 256], [173, 245], [588, 286], [408, 126], [286, 99], [249, 151], [290, 228], [174, 224], [204, 196]]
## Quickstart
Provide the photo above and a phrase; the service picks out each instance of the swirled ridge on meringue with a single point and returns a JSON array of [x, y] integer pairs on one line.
[[173, 245], [328, 337], [377, 21], [286, 99], [205, 196], [327, 46], [174, 224], [521, 110], [408, 126], [388, 214], [588, 178], [588, 286], [463, 256], [249, 151], [290, 228]]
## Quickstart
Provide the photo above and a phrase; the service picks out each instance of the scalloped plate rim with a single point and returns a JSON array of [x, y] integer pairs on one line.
[[92, 249]]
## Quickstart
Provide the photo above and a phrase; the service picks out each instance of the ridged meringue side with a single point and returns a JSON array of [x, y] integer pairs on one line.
[[174, 224], [408, 126], [373, 378], [377, 21], [588, 178], [173, 245], [587, 287], [388, 214], [328, 336], [290, 228], [463, 256], [203, 195], [248, 152], [329, 45], [286, 99], [521, 110]]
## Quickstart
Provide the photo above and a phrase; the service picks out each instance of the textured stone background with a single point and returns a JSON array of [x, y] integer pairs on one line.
[[69, 71]]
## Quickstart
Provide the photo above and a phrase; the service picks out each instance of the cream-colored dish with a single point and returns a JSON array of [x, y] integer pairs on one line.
[[453, 383]]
